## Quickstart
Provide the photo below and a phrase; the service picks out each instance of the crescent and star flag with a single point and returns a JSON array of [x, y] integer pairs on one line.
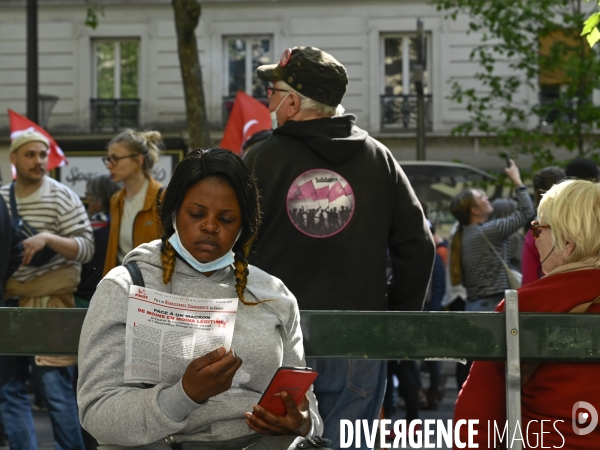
[[248, 116], [19, 124]]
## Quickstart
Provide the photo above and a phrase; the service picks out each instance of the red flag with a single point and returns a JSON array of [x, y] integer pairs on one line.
[[336, 192], [248, 116], [322, 193], [308, 190], [348, 190], [19, 124], [294, 194]]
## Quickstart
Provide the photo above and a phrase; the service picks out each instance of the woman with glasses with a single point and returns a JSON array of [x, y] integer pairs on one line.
[[566, 236], [133, 210], [473, 260]]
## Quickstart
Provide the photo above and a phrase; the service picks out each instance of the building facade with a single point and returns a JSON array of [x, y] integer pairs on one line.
[[125, 72]]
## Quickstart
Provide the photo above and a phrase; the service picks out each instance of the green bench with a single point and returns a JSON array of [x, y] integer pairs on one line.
[[345, 334], [510, 337]]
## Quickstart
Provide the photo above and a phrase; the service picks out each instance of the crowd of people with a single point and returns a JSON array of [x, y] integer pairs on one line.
[[318, 215]]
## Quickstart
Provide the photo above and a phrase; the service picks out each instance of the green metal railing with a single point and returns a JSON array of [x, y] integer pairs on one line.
[[352, 334], [511, 337]]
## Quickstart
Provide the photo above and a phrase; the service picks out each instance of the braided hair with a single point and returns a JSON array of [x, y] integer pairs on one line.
[[226, 166]]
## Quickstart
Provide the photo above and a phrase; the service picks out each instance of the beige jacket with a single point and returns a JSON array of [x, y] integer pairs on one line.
[[52, 289]]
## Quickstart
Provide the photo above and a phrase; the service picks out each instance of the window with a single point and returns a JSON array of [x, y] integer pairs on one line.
[[400, 58], [244, 55], [399, 99], [116, 66], [559, 95]]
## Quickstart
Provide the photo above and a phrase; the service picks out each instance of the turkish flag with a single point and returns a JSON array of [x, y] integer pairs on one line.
[[19, 124], [248, 116]]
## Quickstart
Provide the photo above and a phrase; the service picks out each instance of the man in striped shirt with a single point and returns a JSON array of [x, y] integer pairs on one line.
[[60, 225]]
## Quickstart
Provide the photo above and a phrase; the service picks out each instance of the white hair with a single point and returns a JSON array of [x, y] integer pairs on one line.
[[313, 105]]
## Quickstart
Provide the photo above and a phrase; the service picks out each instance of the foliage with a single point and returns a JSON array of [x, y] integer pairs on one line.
[[590, 28], [91, 18], [510, 64]]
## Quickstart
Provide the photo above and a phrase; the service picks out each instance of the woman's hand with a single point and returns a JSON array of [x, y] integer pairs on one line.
[[513, 173], [296, 421], [210, 374]]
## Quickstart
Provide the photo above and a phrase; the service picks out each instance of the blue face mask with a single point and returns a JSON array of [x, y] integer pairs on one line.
[[218, 264]]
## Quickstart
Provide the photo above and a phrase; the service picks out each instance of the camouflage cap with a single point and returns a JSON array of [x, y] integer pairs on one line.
[[310, 71]]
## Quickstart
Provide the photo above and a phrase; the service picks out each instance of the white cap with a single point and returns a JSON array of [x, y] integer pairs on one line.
[[25, 138]]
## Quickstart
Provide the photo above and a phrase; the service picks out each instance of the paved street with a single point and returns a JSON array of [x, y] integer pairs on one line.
[[445, 410]]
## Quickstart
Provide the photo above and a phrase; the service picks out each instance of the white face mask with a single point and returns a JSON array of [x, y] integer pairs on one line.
[[219, 263], [274, 113]]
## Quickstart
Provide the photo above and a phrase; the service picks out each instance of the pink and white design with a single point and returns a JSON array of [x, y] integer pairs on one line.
[[320, 203]]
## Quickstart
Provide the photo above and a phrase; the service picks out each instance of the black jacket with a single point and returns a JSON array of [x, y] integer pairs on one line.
[[327, 240], [11, 249]]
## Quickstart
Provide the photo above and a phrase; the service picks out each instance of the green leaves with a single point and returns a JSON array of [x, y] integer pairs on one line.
[[91, 18], [594, 34], [530, 47], [590, 28]]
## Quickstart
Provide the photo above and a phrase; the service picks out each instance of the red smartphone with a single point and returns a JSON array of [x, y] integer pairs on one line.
[[293, 380]]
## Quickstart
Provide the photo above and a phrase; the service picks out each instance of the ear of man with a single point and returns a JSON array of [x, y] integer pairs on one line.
[[293, 106]]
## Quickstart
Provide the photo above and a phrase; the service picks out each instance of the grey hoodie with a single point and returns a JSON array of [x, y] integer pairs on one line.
[[266, 337]]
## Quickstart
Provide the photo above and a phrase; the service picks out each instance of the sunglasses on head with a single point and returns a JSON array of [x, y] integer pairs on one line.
[[536, 229]]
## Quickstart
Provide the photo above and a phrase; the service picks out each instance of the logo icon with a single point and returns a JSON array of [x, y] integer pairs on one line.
[[222, 321], [320, 203], [580, 418]]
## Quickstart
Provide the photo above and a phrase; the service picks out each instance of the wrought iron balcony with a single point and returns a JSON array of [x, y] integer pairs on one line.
[[112, 115], [399, 113]]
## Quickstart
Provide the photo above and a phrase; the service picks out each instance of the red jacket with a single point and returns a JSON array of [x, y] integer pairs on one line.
[[553, 388], [531, 267]]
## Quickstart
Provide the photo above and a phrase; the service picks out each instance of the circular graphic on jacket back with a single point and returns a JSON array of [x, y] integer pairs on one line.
[[320, 203]]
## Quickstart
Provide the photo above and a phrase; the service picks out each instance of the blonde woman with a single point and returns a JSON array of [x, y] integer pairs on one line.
[[133, 210], [566, 236]]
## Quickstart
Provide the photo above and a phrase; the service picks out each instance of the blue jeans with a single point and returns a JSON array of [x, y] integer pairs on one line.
[[15, 408], [348, 389], [58, 392]]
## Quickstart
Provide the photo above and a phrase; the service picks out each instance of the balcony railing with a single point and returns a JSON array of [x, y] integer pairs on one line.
[[399, 113], [113, 115]]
